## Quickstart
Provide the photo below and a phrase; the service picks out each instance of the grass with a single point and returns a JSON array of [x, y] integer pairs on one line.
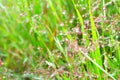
[[59, 40]]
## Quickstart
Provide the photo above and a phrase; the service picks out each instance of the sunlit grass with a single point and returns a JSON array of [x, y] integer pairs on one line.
[[59, 39]]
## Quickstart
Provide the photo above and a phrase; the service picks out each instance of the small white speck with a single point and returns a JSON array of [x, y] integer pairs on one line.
[[62, 24], [64, 12]]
